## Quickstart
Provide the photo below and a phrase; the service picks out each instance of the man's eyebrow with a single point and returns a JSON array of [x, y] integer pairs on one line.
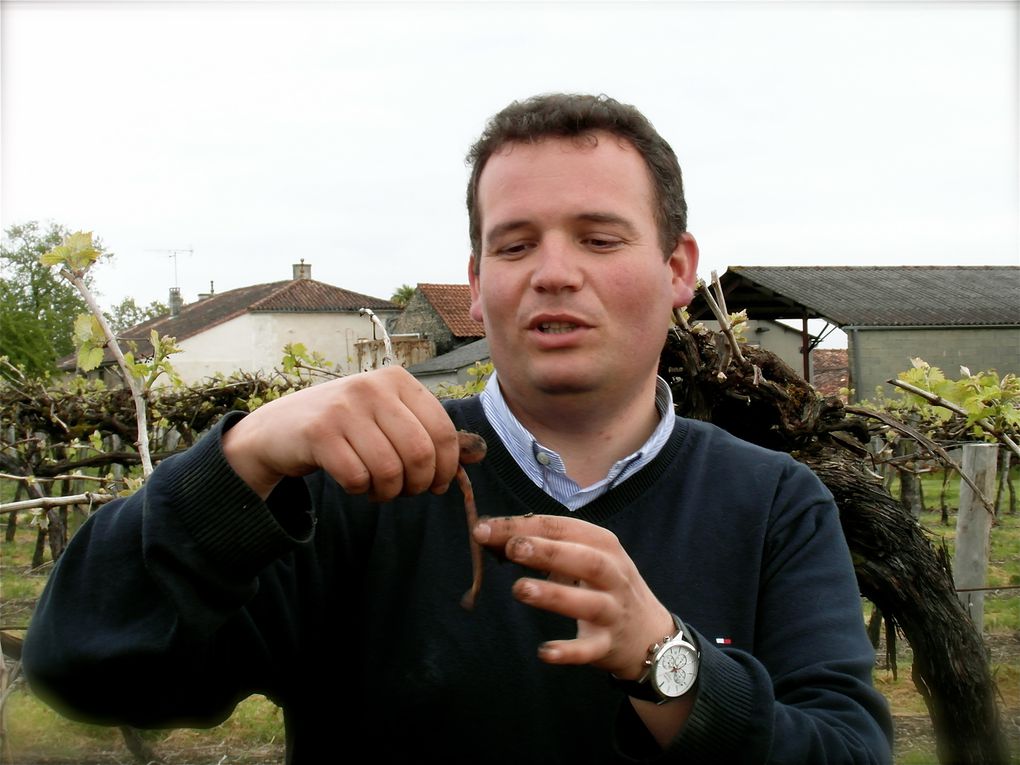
[[610, 218], [505, 228]]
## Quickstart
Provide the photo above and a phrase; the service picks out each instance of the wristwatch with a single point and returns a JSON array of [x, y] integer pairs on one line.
[[670, 669]]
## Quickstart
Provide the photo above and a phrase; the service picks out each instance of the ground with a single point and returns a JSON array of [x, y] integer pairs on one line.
[[914, 734]]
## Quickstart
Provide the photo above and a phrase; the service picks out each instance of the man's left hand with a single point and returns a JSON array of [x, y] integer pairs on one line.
[[591, 579]]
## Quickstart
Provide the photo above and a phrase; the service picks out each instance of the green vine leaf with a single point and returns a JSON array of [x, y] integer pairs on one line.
[[89, 358], [88, 330], [76, 252], [479, 372]]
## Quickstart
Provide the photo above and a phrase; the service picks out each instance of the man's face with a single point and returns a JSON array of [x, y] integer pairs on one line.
[[572, 286]]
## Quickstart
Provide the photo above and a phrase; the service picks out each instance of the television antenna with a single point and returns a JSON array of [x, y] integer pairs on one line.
[[173, 255]]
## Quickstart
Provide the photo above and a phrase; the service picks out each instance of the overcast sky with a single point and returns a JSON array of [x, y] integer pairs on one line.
[[248, 135]]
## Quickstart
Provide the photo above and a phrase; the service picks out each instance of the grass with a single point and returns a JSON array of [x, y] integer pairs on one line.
[[254, 734], [1001, 607], [1001, 619], [38, 734]]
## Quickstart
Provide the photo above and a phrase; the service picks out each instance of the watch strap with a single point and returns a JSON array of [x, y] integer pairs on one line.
[[637, 689], [642, 688]]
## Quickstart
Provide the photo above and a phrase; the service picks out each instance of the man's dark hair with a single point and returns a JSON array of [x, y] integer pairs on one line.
[[563, 115]]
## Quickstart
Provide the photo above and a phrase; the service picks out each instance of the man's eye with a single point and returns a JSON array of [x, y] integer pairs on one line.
[[600, 243], [517, 248]]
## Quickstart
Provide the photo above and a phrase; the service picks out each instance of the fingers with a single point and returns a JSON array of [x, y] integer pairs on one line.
[[472, 447], [578, 651], [497, 533], [401, 453], [590, 578], [577, 601], [569, 562], [404, 437], [498, 530], [583, 580], [382, 433]]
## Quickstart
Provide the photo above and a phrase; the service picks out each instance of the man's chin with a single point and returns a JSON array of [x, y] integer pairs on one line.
[[563, 385], [550, 379]]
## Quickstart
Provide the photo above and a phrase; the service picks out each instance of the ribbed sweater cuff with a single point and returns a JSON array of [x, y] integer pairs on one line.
[[225, 517], [718, 727]]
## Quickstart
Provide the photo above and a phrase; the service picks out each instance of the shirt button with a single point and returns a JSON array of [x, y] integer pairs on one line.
[[543, 458]]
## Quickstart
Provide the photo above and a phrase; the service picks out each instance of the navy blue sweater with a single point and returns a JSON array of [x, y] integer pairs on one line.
[[172, 605]]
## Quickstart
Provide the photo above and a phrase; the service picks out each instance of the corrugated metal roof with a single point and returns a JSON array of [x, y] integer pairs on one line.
[[457, 359], [452, 302], [875, 295]]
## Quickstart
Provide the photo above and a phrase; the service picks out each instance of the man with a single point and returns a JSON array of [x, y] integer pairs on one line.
[[660, 589]]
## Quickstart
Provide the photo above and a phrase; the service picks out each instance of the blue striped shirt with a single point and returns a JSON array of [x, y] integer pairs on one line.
[[545, 467]]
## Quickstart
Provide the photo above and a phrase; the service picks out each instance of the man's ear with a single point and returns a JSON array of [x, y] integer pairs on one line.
[[684, 263], [475, 311]]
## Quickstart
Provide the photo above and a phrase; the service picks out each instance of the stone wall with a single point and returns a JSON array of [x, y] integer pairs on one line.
[[419, 316]]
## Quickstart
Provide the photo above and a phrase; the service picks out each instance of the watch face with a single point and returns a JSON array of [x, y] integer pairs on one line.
[[675, 670]]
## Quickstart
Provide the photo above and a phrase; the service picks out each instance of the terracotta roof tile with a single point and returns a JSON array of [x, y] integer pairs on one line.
[[310, 295], [452, 302], [830, 370]]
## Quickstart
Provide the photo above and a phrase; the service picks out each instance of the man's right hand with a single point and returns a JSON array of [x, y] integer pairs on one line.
[[381, 432]]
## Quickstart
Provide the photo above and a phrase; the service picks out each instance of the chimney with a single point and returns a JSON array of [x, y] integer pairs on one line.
[[302, 270], [210, 293], [176, 304]]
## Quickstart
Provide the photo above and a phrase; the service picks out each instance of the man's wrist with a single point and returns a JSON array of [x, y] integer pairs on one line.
[[249, 469], [675, 677]]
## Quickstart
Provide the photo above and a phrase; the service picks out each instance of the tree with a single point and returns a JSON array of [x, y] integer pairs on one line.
[[22, 338], [128, 313], [402, 296], [37, 308]]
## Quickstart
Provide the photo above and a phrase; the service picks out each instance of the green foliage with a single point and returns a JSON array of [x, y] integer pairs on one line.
[[37, 308], [147, 371], [90, 341], [402, 295], [306, 365], [75, 255], [738, 324], [981, 405], [24, 340], [75, 252], [479, 372], [987, 397], [83, 386]]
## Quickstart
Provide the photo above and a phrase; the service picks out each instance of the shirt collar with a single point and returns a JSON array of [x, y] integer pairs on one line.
[[545, 467]]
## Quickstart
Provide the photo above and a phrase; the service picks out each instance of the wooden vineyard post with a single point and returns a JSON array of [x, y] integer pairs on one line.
[[973, 526]]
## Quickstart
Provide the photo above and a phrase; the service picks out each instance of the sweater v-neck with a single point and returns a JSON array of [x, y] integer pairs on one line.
[[469, 415]]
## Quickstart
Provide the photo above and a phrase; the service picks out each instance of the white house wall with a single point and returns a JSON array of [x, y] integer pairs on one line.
[[254, 342]]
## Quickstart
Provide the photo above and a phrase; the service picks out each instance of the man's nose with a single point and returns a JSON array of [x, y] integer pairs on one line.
[[558, 265]]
